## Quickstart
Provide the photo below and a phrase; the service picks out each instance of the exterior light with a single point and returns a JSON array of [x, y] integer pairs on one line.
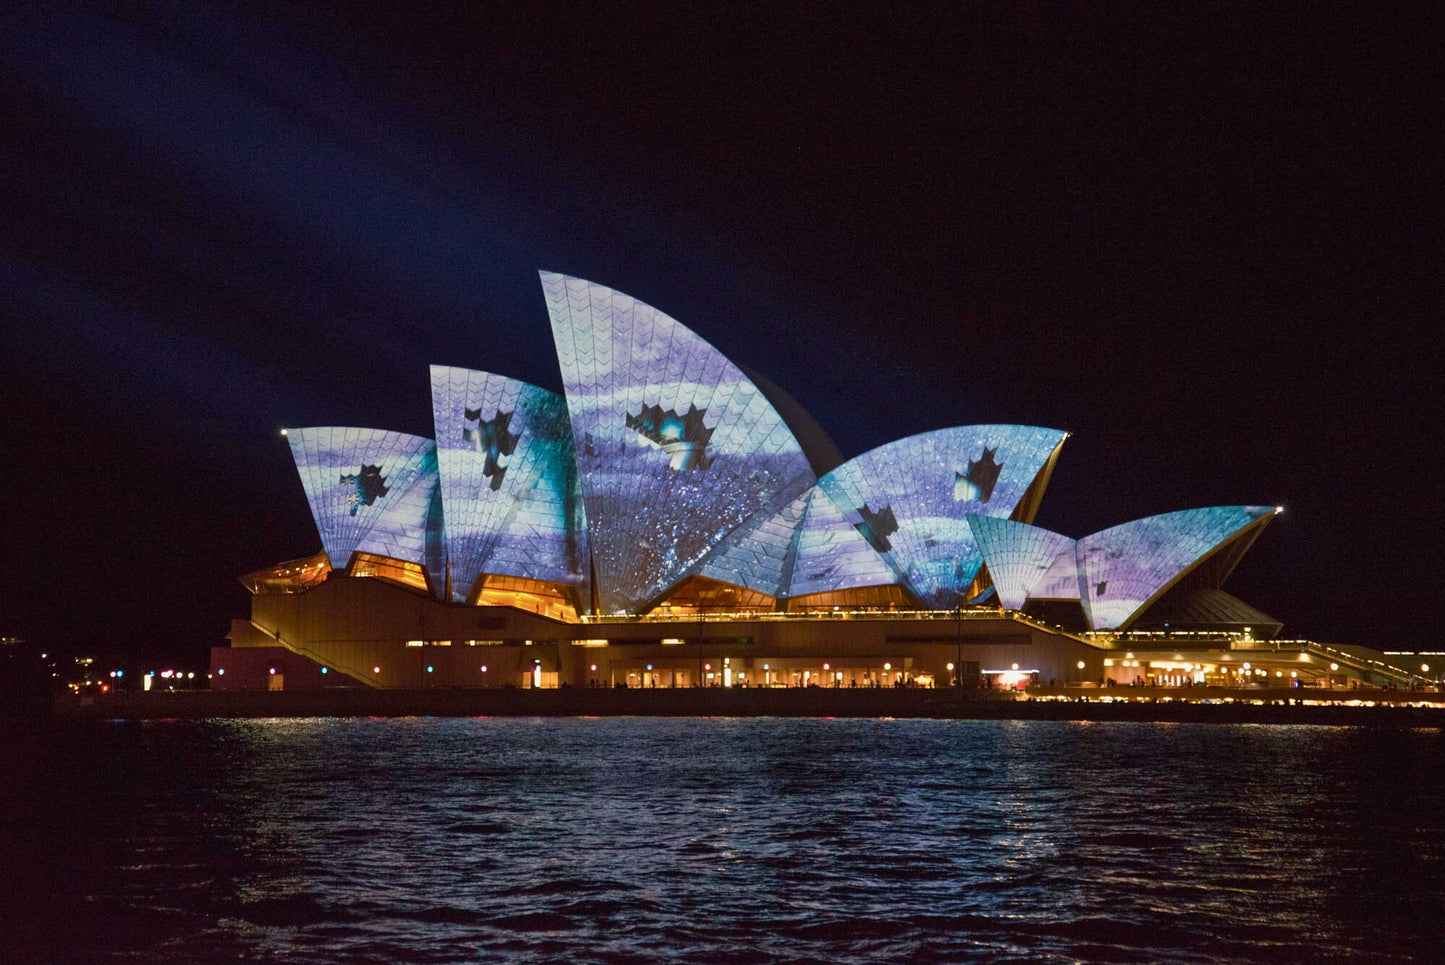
[[888, 666], [950, 668], [649, 666], [1293, 674], [1278, 509], [1424, 668], [1081, 665], [191, 675], [272, 670], [120, 673], [220, 670], [1246, 665], [285, 432], [1014, 667], [324, 670], [1334, 666], [428, 668], [767, 666], [484, 668], [376, 670], [594, 668], [827, 666], [707, 666]]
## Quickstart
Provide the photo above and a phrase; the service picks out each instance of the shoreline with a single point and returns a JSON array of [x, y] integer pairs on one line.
[[1392, 708]]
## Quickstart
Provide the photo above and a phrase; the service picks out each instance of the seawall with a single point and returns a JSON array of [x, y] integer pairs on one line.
[[1281, 707]]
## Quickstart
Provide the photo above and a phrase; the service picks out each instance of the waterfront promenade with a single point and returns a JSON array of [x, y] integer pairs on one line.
[[1384, 707]]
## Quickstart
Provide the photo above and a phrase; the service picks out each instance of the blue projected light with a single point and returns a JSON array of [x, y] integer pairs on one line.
[[370, 491], [1126, 567], [1020, 557], [760, 554], [910, 499], [676, 447], [509, 488], [831, 554]]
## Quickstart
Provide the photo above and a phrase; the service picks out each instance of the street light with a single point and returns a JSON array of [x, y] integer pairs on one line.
[[958, 637]]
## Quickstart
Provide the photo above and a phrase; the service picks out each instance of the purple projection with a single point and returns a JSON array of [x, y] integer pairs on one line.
[[1126, 567], [370, 491], [910, 499], [1020, 557], [759, 555], [508, 485], [832, 554], [676, 447]]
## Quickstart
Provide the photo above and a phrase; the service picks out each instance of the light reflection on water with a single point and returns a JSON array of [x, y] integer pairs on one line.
[[444, 840]]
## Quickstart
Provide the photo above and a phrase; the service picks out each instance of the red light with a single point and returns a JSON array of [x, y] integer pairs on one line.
[[105, 688]]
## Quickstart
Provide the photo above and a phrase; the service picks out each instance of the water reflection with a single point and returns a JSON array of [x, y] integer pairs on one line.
[[767, 840]]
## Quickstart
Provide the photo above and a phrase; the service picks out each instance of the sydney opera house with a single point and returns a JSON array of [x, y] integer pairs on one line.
[[676, 520]]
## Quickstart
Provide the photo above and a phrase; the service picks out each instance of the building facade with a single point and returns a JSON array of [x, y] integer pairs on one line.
[[675, 520]]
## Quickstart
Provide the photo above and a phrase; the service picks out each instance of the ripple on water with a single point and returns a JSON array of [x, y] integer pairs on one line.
[[450, 840]]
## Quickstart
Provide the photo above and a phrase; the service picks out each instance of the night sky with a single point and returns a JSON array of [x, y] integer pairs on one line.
[[1205, 243]]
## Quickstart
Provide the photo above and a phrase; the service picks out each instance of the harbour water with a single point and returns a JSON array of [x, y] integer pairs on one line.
[[719, 840]]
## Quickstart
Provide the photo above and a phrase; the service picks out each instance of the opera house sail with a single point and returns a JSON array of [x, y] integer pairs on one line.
[[509, 488], [910, 499], [371, 492], [676, 447]]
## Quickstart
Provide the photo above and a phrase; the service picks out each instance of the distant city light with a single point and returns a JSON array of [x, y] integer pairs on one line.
[[324, 670], [376, 670], [428, 668], [220, 670]]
